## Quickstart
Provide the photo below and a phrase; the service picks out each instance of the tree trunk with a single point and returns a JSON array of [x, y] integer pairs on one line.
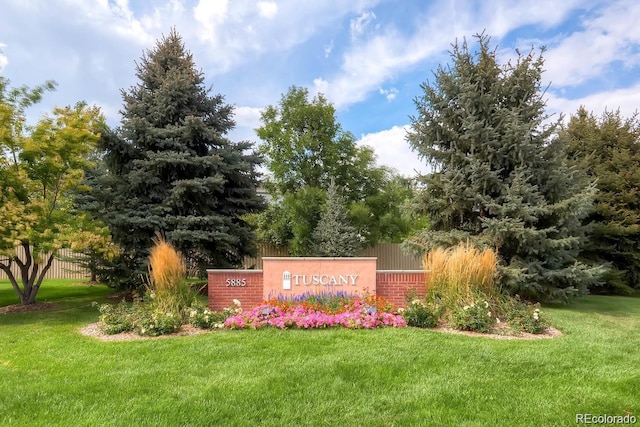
[[14, 283], [35, 287], [30, 274]]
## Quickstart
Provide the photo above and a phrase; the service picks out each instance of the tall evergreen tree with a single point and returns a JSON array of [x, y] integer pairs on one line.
[[608, 148], [334, 235], [501, 175], [172, 170]]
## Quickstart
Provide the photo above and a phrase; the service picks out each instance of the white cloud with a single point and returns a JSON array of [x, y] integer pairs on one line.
[[320, 86], [210, 14], [328, 49], [393, 150], [247, 116], [627, 100], [109, 17], [234, 32], [268, 9], [3, 58], [367, 65], [247, 120], [613, 35], [359, 25], [390, 94]]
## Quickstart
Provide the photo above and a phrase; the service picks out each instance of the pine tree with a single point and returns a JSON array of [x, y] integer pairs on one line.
[[172, 170], [608, 148], [501, 175], [334, 236]]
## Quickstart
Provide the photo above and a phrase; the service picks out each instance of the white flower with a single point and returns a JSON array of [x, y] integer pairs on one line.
[[192, 313], [143, 330], [401, 310], [466, 307], [151, 326], [536, 315], [498, 320], [486, 304], [206, 318], [206, 311], [236, 302], [489, 314]]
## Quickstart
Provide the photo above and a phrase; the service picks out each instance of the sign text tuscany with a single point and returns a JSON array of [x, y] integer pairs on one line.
[[289, 279]]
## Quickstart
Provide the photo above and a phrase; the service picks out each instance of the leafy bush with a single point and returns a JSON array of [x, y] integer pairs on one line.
[[421, 315], [117, 318], [156, 322], [524, 317], [475, 317], [199, 315]]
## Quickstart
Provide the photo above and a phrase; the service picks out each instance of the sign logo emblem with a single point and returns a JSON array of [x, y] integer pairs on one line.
[[286, 280]]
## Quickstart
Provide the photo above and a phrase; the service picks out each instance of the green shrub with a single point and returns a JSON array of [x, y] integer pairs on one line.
[[421, 315], [117, 318], [523, 317], [155, 322], [199, 316], [474, 317]]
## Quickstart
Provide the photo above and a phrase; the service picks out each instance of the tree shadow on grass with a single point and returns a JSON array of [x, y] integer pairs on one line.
[[615, 306]]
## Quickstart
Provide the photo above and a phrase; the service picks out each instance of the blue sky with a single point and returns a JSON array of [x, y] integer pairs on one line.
[[368, 57]]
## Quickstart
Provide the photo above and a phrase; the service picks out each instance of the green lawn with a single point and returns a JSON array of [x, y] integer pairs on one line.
[[52, 375]]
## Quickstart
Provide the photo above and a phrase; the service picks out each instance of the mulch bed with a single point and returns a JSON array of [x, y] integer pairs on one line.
[[93, 330], [29, 308], [503, 333]]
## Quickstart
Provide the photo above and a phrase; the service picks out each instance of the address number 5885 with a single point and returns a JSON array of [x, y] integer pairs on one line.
[[236, 282]]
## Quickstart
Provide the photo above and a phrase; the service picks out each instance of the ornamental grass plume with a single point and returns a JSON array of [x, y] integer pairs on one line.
[[461, 273], [167, 277]]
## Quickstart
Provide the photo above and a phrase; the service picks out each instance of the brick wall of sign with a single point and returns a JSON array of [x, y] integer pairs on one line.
[[227, 285], [394, 285], [247, 286]]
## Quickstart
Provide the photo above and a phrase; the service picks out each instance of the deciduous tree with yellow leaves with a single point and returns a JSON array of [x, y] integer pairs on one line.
[[40, 167]]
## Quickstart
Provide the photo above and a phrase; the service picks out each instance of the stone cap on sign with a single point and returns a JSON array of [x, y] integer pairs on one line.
[[232, 270]]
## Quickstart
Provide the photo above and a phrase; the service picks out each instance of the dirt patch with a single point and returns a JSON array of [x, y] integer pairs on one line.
[[503, 333], [88, 283], [29, 308], [93, 330]]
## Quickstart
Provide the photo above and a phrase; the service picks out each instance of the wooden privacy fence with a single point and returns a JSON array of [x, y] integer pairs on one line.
[[59, 269], [390, 257]]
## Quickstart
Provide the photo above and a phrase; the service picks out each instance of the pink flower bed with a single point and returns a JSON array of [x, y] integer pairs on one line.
[[356, 316]]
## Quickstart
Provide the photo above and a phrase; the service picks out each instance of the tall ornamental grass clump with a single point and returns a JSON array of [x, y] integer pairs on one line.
[[461, 274], [462, 290], [167, 278]]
